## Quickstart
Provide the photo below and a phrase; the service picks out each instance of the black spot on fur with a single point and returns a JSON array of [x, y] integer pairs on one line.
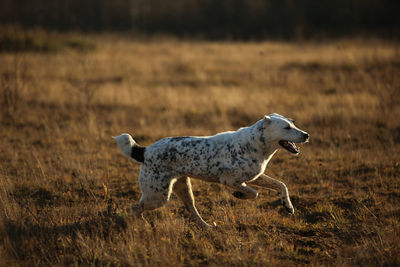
[[137, 153], [238, 194]]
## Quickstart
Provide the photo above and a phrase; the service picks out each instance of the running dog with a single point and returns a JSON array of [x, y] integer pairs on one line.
[[235, 159]]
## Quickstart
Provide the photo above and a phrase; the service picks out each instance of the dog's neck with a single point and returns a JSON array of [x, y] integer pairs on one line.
[[261, 139]]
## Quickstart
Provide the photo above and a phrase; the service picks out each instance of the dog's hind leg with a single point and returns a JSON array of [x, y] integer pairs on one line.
[[271, 183], [156, 189], [183, 189]]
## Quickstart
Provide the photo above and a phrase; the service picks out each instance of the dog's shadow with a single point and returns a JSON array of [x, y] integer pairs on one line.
[[273, 205]]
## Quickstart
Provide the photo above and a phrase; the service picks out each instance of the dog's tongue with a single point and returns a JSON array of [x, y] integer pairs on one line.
[[290, 146]]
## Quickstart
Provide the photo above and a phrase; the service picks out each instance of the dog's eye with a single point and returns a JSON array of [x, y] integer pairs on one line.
[[287, 128]]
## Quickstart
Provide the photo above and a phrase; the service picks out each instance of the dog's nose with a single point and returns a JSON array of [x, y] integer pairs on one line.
[[306, 136]]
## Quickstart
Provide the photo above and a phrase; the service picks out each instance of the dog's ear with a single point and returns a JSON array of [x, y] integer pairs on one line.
[[267, 119]]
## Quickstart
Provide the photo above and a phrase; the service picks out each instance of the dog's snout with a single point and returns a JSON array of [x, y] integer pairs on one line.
[[306, 136]]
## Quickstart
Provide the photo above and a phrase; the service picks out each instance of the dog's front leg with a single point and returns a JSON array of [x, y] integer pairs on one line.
[[271, 183], [243, 190]]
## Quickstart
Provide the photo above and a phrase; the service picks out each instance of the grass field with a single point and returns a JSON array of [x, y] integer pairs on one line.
[[65, 191]]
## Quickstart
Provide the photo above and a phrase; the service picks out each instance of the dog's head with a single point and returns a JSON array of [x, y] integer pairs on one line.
[[281, 131]]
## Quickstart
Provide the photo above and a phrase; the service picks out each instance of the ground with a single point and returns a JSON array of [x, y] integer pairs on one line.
[[66, 191]]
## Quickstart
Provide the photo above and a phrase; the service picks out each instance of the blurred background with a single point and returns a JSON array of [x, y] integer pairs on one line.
[[212, 19]]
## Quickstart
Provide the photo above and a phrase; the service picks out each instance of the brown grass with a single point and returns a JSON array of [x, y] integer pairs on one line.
[[65, 189]]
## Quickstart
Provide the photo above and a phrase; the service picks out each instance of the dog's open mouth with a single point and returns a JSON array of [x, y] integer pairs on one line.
[[289, 146]]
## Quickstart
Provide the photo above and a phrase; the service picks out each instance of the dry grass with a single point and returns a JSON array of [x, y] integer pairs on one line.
[[65, 189]]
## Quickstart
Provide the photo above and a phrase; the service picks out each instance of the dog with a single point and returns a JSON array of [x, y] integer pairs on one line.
[[235, 159]]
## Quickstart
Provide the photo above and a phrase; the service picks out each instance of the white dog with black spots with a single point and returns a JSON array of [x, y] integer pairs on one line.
[[235, 159]]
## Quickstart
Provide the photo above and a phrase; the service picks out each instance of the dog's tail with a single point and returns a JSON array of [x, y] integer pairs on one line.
[[129, 147]]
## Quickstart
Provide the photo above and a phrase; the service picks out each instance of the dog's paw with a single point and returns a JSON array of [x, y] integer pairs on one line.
[[206, 226], [287, 205], [289, 210], [238, 194]]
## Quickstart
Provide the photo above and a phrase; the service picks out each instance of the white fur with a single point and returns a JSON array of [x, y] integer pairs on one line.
[[125, 143]]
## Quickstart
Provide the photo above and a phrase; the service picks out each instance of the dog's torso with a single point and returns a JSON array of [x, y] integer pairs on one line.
[[214, 158]]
